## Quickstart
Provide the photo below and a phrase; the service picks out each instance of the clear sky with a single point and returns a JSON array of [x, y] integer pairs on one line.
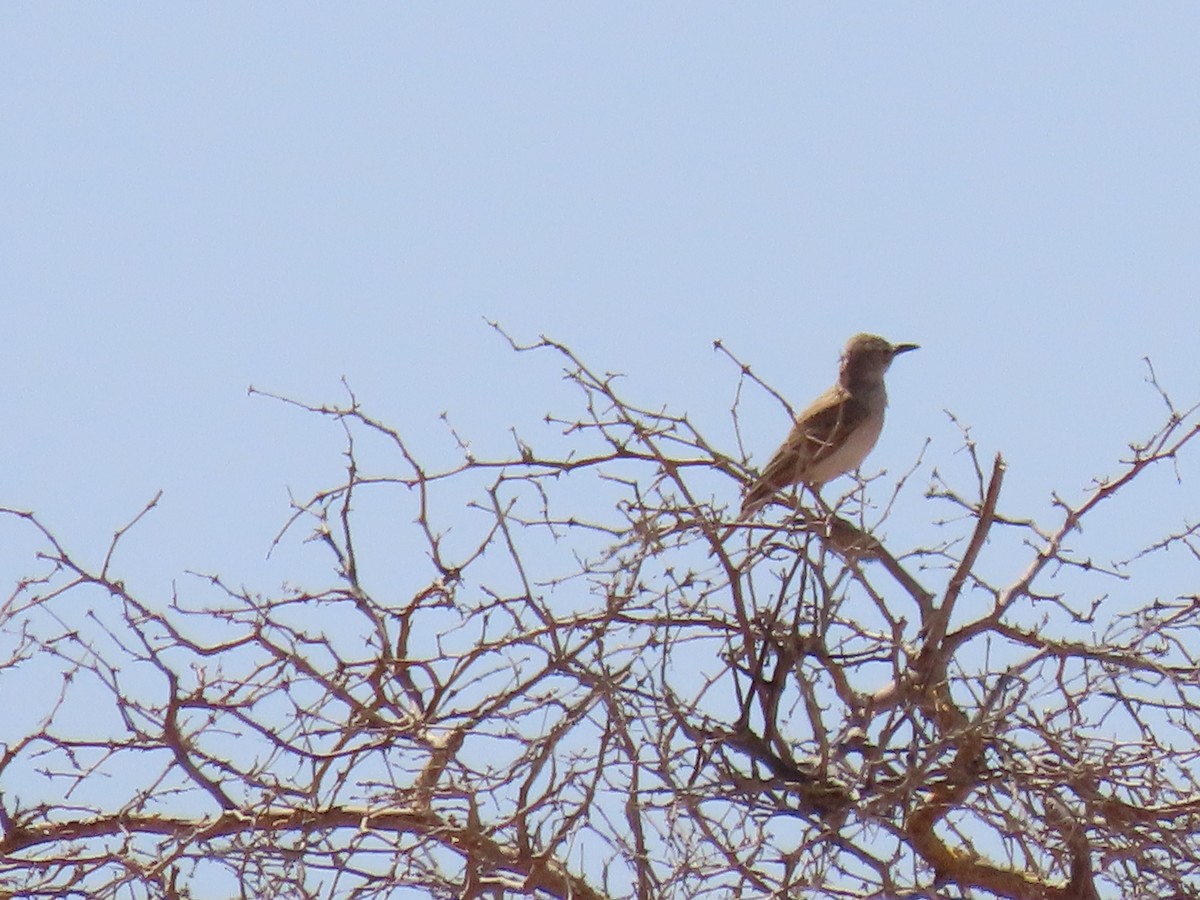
[[200, 197]]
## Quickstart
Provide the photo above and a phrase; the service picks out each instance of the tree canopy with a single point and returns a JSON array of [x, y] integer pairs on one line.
[[546, 675]]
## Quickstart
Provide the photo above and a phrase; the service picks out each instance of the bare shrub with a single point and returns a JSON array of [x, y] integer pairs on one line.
[[559, 682]]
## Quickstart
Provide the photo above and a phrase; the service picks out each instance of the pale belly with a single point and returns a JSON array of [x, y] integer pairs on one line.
[[847, 457]]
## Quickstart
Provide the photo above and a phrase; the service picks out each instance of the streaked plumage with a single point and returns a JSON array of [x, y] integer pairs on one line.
[[837, 431]]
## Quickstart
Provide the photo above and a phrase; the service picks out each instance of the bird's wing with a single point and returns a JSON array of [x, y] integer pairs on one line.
[[821, 429], [817, 433]]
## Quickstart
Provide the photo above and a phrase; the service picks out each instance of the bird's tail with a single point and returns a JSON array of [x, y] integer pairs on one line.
[[747, 511]]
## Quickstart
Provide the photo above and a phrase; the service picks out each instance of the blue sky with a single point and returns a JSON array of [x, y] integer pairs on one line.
[[199, 198]]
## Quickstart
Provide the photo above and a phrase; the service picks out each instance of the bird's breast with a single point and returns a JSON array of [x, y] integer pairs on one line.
[[849, 455]]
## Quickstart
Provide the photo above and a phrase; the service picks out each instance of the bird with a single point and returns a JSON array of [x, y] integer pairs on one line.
[[836, 432]]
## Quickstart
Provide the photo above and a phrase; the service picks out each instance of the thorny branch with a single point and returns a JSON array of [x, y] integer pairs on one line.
[[563, 695]]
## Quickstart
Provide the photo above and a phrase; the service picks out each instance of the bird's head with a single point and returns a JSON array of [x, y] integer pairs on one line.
[[867, 356]]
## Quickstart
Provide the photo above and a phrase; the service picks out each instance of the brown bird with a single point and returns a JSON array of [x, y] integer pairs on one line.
[[835, 434]]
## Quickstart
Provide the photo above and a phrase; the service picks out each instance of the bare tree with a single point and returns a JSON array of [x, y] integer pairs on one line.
[[573, 688]]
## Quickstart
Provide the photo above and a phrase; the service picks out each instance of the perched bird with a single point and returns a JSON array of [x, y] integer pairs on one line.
[[835, 434]]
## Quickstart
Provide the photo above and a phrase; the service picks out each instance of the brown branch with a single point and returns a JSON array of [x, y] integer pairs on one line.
[[538, 873]]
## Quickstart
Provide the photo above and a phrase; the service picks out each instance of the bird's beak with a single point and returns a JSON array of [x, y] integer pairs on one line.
[[897, 349]]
